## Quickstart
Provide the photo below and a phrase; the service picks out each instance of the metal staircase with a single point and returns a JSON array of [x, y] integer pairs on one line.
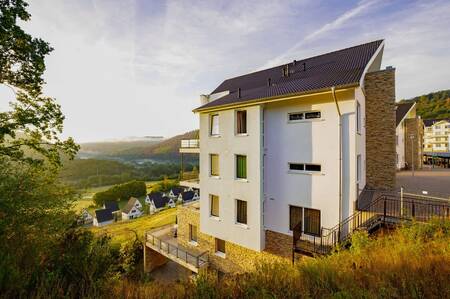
[[386, 211]]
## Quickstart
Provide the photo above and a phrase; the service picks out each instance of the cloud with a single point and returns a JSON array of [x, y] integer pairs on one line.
[[361, 8]]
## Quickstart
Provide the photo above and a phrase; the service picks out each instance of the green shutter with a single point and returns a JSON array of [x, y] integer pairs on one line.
[[241, 167]]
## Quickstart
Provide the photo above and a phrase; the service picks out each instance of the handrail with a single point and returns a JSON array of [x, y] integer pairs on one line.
[[196, 260], [386, 209], [190, 143]]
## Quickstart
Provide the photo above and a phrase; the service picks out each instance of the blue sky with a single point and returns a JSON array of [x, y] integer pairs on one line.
[[137, 67]]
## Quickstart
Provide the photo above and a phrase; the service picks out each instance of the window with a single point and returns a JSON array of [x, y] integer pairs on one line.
[[192, 233], [359, 167], [241, 167], [220, 246], [214, 163], [312, 222], [295, 217], [296, 166], [241, 122], [312, 167], [303, 167], [214, 123], [297, 116], [241, 211], [214, 205], [311, 115], [358, 117]]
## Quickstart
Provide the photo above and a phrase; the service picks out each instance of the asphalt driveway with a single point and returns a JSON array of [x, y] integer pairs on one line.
[[436, 182]]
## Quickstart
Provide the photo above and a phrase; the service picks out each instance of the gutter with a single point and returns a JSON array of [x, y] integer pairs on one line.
[[333, 93], [284, 97]]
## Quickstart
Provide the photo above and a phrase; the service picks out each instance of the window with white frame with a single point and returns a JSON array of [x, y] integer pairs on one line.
[[304, 115], [214, 125], [241, 211], [304, 167], [241, 122]]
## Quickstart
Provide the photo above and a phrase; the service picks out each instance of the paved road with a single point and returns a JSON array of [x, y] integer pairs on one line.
[[435, 181]]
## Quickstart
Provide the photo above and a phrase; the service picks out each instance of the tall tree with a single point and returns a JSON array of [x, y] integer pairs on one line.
[[30, 131]]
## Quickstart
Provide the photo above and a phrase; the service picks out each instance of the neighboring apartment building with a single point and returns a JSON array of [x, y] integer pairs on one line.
[[290, 147], [408, 136], [437, 136]]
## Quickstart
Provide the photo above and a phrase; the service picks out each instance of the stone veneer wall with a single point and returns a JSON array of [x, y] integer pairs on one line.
[[238, 259], [380, 129], [414, 126]]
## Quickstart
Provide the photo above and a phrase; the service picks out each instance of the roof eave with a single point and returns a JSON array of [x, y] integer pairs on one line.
[[276, 98]]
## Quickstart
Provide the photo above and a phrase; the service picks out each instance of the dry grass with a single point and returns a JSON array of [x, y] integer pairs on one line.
[[124, 231], [412, 262]]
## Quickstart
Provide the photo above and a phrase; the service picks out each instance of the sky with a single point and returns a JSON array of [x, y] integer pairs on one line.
[[125, 68]]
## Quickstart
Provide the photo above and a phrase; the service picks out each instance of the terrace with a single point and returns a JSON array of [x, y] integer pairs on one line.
[[165, 243]]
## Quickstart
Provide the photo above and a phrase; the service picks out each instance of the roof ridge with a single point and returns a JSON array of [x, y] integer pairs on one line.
[[299, 61]]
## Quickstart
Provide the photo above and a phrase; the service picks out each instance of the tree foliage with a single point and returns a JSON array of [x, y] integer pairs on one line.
[[433, 105], [30, 131], [121, 192]]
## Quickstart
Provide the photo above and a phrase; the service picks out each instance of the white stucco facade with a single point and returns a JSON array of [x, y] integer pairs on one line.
[[227, 145], [311, 141]]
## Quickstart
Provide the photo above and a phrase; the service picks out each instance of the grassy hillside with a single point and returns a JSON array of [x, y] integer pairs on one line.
[[412, 262], [110, 148], [166, 150], [85, 173], [124, 231], [433, 105]]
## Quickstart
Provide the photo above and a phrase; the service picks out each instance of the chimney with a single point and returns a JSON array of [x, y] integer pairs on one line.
[[239, 92]]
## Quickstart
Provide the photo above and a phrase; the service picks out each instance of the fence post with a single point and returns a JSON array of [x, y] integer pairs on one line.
[[413, 210], [401, 201], [384, 209]]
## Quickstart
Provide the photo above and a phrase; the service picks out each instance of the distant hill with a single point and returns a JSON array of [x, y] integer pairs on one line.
[[111, 148], [433, 105], [166, 150]]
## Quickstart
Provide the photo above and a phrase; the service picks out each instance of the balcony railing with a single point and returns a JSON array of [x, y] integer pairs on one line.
[[176, 252], [190, 143]]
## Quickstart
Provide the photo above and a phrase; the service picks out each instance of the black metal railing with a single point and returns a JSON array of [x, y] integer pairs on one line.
[[175, 251], [383, 211]]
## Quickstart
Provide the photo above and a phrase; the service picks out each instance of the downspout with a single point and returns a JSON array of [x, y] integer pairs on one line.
[[333, 93]]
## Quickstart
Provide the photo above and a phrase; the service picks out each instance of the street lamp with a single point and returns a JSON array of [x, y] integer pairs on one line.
[[412, 137]]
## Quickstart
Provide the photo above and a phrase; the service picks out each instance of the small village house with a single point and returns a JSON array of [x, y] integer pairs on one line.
[[158, 201], [103, 217], [133, 209]]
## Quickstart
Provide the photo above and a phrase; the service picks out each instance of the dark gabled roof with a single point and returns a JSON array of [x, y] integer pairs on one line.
[[130, 205], [188, 195], [177, 190], [160, 202], [112, 205], [339, 68], [430, 122], [103, 215], [401, 110]]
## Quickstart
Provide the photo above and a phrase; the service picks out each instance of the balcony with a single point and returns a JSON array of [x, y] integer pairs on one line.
[[190, 146], [162, 241]]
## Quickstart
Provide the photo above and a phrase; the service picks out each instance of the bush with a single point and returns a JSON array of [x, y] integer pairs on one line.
[[121, 192]]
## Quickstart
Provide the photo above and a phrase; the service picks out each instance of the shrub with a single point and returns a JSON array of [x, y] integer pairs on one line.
[[120, 192]]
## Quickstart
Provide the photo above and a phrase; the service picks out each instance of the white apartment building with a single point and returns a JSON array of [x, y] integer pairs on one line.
[[286, 151], [273, 154], [437, 136]]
